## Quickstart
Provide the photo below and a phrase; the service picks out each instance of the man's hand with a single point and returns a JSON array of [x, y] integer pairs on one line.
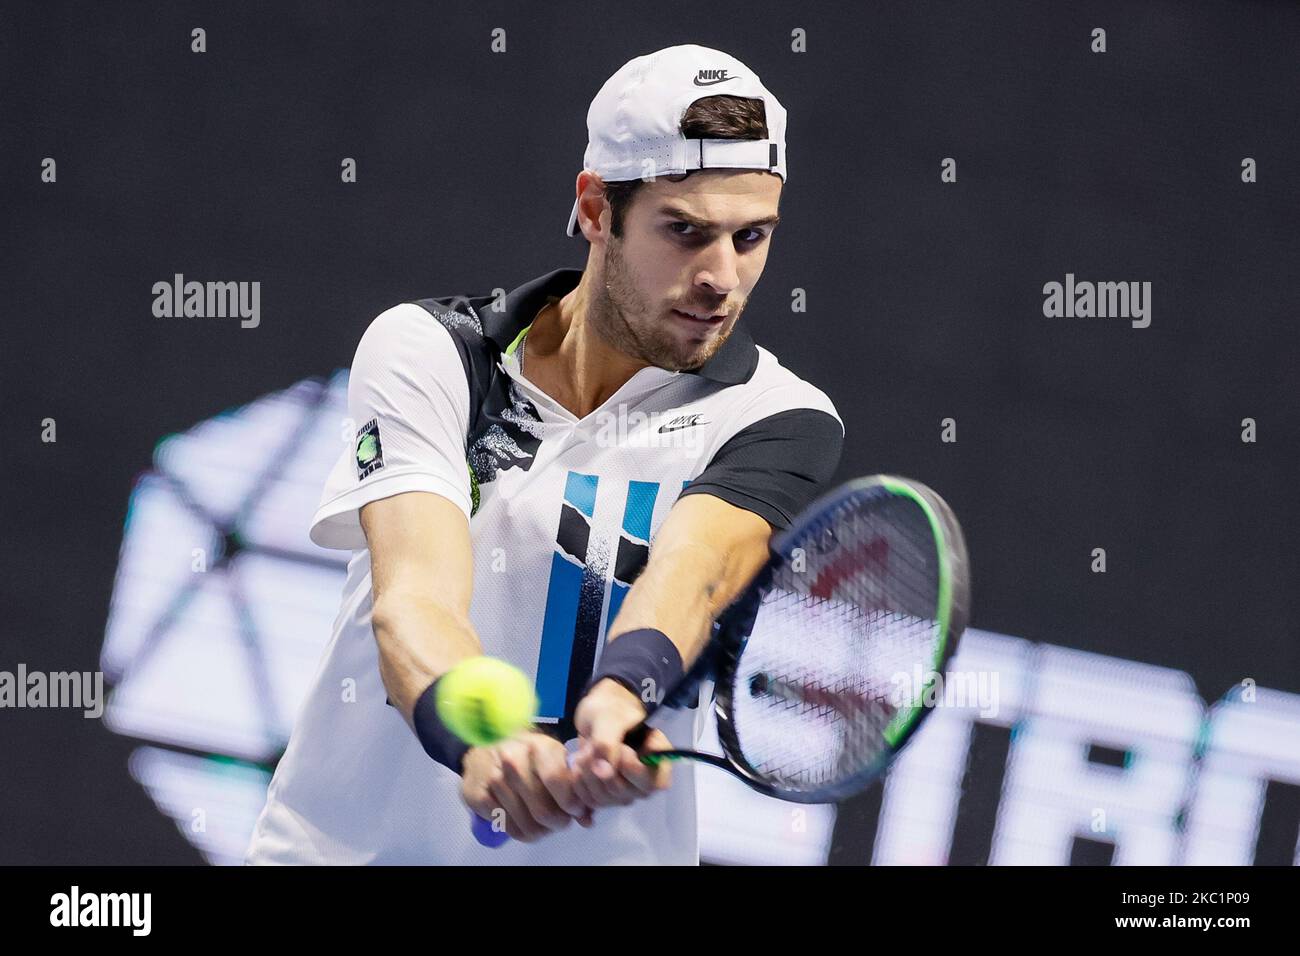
[[608, 771], [528, 777]]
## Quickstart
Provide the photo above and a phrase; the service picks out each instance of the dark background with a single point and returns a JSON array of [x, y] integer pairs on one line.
[[925, 298]]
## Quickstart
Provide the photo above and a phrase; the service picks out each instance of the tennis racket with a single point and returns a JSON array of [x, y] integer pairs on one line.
[[816, 665]]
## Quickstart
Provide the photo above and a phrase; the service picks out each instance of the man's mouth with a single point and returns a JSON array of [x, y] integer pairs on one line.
[[703, 318]]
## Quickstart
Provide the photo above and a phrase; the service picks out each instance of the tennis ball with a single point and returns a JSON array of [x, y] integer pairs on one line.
[[483, 700]]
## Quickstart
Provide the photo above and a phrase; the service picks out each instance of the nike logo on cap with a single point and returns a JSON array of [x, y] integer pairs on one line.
[[712, 77]]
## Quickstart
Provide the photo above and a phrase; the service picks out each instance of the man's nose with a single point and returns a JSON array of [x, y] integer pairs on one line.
[[717, 267]]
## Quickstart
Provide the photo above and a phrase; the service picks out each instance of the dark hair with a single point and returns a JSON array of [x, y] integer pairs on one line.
[[713, 117]]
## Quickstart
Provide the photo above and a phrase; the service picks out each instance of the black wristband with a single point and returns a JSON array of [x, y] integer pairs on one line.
[[438, 742], [635, 657]]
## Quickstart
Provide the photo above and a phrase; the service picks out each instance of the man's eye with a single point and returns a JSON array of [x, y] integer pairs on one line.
[[746, 236]]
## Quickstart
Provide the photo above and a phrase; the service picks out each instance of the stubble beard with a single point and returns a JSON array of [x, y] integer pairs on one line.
[[619, 316]]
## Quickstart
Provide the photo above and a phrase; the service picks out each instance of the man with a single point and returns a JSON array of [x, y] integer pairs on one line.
[[577, 478]]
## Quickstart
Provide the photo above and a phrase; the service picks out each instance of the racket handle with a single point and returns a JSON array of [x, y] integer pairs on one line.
[[635, 738], [484, 833]]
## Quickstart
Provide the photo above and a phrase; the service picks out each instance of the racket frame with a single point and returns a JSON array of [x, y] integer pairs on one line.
[[722, 657]]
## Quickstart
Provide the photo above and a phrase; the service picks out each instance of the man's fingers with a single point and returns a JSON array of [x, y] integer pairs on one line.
[[633, 771], [606, 737], [647, 777], [475, 790], [503, 786], [592, 790], [519, 821], [525, 778], [643, 778], [589, 788], [656, 739], [609, 788], [522, 778], [552, 767], [586, 795], [598, 781]]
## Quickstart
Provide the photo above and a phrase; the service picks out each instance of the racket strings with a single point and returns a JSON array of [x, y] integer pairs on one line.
[[845, 638]]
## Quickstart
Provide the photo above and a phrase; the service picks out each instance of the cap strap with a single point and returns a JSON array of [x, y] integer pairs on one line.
[[733, 154]]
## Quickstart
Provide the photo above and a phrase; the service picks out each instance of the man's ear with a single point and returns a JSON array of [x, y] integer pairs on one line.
[[591, 190]]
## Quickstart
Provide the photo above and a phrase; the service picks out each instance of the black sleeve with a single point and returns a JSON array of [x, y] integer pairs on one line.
[[776, 466]]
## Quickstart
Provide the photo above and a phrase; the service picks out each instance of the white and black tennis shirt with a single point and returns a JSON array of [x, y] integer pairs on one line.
[[562, 511]]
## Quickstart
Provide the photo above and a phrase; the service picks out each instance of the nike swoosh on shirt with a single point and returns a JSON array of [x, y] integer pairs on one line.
[[672, 428]]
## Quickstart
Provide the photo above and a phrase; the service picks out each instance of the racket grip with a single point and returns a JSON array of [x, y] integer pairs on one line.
[[635, 738]]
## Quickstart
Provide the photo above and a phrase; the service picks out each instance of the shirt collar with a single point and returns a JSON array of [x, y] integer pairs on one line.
[[733, 364]]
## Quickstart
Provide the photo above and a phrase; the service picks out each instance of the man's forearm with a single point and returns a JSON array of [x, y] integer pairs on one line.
[[419, 639], [684, 589]]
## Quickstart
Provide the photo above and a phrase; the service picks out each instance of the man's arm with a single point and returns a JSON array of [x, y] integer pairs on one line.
[[703, 557], [403, 492], [422, 577], [422, 573]]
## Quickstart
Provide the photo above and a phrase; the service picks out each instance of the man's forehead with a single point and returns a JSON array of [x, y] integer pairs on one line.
[[732, 195]]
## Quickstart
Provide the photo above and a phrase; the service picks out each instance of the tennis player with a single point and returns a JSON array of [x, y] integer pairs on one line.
[[576, 477]]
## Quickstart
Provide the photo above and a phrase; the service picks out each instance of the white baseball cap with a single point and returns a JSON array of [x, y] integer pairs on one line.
[[634, 123]]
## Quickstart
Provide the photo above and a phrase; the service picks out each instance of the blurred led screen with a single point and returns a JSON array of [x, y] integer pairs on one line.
[[222, 607]]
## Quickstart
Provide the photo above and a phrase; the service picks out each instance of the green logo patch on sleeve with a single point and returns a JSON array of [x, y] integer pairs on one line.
[[370, 451]]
